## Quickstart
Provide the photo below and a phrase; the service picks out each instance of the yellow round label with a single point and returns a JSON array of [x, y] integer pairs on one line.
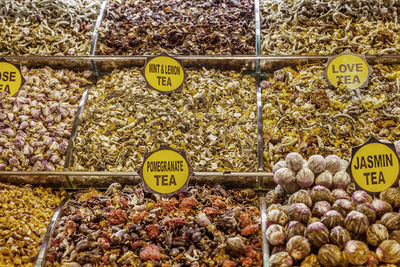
[[375, 167], [165, 171], [350, 70], [164, 74], [11, 78]]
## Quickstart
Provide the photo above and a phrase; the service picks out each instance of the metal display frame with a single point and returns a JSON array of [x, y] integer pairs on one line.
[[256, 64]]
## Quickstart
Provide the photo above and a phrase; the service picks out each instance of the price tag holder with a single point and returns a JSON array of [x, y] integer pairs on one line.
[[348, 69], [374, 166], [164, 74], [165, 171], [11, 79]]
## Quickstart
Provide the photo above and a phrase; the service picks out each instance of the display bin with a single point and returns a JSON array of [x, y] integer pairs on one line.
[[291, 98], [105, 64], [178, 28], [329, 27], [224, 66], [38, 121], [290, 84], [49, 28], [50, 237]]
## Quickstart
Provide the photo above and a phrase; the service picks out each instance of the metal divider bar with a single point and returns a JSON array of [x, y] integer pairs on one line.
[[74, 132], [128, 174], [258, 28], [260, 141], [50, 230], [265, 246], [96, 36], [75, 126]]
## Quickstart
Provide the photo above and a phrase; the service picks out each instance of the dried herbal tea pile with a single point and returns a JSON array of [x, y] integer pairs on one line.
[[25, 213], [303, 113], [213, 120], [330, 27], [47, 27], [207, 226], [178, 27], [36, 123]]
